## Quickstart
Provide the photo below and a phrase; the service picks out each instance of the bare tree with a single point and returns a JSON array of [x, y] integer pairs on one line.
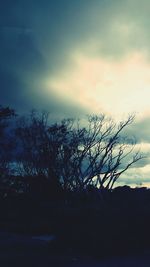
[[74, 155], [31, 133], [6, 144], [101, 154]]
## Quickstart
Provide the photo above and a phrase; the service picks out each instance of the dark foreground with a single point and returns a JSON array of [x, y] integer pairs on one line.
[[21, 250], [82, 231]]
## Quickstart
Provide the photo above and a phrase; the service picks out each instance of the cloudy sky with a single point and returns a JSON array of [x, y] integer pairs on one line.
[[75, 57]]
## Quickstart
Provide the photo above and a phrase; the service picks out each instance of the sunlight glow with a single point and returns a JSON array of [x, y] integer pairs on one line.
[[102, 85]]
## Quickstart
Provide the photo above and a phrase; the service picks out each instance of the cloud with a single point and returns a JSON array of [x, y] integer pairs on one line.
[[140, 129], [39, 39], [34, 42], [102, 85], [46, 46], [135, 177]]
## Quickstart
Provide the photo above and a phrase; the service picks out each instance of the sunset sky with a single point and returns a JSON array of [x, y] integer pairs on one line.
[[74, 57]]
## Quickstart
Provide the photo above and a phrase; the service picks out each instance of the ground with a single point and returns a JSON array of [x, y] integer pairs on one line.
[[26, 251]]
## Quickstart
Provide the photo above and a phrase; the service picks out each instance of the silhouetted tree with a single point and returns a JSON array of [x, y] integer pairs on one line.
[[99, 153], [74, 155], [6, 144], [31, 135]]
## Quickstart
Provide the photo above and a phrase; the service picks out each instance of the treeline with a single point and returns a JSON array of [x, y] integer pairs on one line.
[[70, 155]]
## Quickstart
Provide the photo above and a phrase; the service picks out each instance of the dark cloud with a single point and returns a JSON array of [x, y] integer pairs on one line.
[[38, 37], [140, 130], [34, 37]]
